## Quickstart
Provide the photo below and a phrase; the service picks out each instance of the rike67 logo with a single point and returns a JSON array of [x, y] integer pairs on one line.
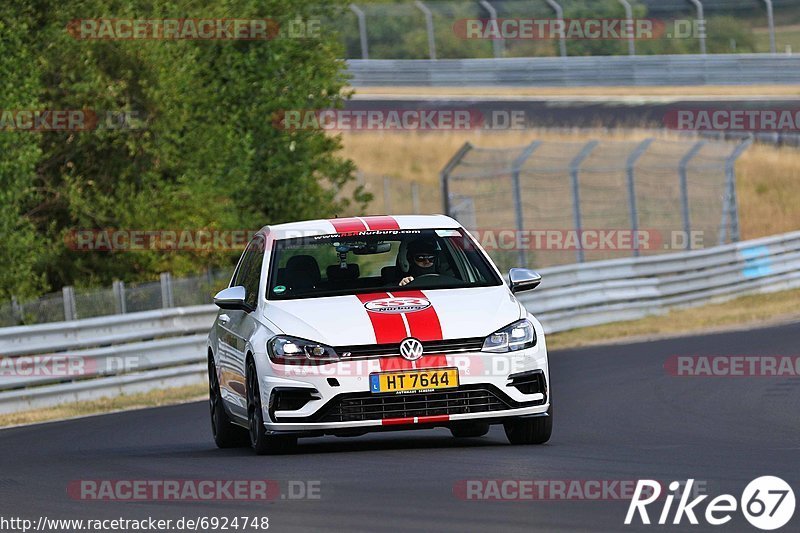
[[767, 503]]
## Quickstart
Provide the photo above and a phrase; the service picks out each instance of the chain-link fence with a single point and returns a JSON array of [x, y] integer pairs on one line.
[[429, 29], [552, 203], [73, 303], [395, 196]]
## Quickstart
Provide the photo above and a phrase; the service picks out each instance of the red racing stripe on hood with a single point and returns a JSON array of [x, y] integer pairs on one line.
[[389, 328], [425, 326]]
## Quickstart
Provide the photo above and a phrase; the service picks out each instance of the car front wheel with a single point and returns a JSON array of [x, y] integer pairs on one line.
[[226, 433], [530, 430], [261, 442]]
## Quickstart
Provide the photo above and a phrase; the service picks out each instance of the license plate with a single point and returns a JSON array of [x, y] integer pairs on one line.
[[414, 380]]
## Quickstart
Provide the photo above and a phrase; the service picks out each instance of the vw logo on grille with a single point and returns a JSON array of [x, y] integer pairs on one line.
[[411, 349]]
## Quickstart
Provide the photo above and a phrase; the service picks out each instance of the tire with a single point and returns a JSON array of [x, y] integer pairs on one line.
[[226, 433], [262, 443], [463, 431], [530, 430]]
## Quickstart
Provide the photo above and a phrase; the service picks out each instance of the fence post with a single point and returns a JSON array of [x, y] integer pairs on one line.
[[16, 310], [415, 197], [574, 168], [771, 24], [562, 43], [166, 290], [630, 165], [444, 175], [730, 207], [517, 188], [387, 196], [68, 295], [119, 297], [701, 25], [429, 26], [682, 167], [498, 45], [362, 30], [629, 26]]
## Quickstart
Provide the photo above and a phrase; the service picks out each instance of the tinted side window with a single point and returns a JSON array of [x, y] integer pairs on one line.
[[251, 273]]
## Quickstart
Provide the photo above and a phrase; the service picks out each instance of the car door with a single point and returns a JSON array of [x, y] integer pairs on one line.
[[234, 328]]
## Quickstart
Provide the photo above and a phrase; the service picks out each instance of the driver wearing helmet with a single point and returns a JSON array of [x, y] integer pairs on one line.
[[423, 258]]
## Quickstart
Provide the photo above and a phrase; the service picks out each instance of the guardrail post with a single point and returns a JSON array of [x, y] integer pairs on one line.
[[444, 175], [498, 45], [629, 26], [362, 30], [562, 42], [730, 206], [415, 197], [574, 168], [630, 165], [167, 299], [771, 24], [429, 26], [119, 297], [701, 25], [517, 188], [682, 167], [68, 296]]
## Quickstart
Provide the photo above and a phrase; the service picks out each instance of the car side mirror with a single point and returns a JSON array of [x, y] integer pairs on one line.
[[232, 298], [523, 279]]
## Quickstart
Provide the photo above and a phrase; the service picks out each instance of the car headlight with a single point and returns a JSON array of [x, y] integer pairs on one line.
[[516, 336], [285, 349]]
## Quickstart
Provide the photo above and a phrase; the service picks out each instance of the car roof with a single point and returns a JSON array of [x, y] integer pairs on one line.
[[355, 224]]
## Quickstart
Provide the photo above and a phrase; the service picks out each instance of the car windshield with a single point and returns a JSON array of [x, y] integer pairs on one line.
[[333, 265]]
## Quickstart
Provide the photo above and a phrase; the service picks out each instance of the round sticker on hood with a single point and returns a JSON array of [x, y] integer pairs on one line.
[[397, 305]]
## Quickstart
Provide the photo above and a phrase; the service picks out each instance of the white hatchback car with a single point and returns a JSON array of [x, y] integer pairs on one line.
[[352, 325]]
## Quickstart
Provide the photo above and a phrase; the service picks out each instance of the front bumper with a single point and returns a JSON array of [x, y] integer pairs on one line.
[[340, 400]]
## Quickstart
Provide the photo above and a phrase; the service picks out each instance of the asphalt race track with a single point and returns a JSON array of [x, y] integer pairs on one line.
[[618, 416], [573, 112]]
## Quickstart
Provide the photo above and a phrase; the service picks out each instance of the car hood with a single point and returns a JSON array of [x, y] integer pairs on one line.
[[390, 317]]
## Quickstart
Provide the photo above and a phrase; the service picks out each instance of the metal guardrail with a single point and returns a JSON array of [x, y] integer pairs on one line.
[[105, 356], [600, 292], [717, 69], [168, 346]]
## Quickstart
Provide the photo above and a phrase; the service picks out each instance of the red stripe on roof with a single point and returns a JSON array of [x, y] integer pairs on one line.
[[378, 223], [348, 225]]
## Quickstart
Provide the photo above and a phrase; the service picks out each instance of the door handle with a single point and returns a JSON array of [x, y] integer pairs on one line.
[[223, 318]]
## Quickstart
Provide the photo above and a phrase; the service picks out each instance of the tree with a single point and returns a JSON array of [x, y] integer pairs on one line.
[[207, 154]]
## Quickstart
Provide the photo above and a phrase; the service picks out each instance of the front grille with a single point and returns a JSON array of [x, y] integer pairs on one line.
[[359, 406], [430, 347]]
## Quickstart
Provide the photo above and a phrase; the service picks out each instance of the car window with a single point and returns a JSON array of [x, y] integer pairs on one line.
[[330, 265], [248, 274]]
